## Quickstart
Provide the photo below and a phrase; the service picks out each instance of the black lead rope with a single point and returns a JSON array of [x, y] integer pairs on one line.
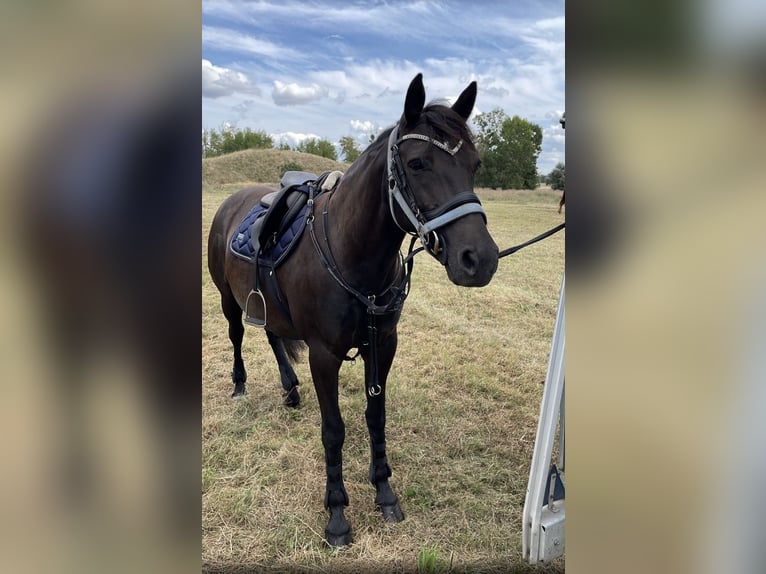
[[540, 237]]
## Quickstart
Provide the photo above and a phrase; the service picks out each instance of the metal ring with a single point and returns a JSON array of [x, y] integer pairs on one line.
[[372, 391], [436, 248]]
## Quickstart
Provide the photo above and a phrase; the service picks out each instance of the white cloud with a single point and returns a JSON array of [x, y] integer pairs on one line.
[[294, 94], [496, 91], [381, 78], [365, 127], [554, 140], [218, 81], [515, 52], [293, 138], [244, 108], [552, 136], [234, 41], [410, 16], [557, 24]]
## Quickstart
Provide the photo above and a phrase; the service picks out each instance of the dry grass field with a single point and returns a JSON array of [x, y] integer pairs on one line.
[[262, 165], [463, 399]]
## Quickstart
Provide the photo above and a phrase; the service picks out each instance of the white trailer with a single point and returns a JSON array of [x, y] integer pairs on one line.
[[543, 518]]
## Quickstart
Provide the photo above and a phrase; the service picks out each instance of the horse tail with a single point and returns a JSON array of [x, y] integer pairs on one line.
[[293, 348]]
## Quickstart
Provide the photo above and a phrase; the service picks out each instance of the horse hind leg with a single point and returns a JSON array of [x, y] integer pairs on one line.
[[233, 314], [284, 352]]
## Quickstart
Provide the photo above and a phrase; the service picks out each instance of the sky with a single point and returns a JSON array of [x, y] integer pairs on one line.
[[321, 69]]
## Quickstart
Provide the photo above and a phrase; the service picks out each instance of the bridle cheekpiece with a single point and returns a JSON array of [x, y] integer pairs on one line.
[[424, 224]]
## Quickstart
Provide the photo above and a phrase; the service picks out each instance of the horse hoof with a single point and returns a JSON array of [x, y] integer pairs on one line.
[[293, 398], [391, 512], [239, 391], [338, 540]]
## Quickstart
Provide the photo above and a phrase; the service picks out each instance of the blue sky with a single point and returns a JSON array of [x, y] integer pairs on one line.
[[299, 69]]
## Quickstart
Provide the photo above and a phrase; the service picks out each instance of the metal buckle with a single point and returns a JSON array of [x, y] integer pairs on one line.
[[373, 392]]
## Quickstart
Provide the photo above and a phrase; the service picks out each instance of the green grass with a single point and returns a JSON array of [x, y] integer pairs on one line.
[[430, 561], [463, 399]]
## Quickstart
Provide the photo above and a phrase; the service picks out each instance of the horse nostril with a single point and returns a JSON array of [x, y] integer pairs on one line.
[[470, 261]]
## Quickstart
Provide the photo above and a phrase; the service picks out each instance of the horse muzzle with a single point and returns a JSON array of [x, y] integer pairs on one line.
[[468, 263]]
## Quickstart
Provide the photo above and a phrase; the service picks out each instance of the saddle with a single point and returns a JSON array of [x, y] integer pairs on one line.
[[282, 207], [270, 231]]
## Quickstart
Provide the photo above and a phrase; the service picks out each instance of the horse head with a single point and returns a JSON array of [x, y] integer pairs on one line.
[[432, 161]]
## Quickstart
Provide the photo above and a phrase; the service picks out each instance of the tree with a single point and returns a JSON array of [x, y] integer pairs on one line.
[[350, 151], [236, 140], [556, 177], [214, 142], [322, 148], [509, 148], [290, 166], [205, 140], [230, 139]]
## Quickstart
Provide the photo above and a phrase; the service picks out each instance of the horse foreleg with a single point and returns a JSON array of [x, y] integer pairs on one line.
[[324, 371], [385, 499], [286, 373], [233, 314]]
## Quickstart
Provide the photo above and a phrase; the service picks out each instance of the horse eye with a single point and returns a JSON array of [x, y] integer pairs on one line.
[[416, 164]]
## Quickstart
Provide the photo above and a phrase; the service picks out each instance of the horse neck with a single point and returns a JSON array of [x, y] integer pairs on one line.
[[362, 234]]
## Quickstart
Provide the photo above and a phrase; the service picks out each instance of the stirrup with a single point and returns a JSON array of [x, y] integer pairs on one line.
[[255, 321]]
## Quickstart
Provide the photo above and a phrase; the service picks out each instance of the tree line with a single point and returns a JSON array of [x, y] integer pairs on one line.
[[508, 148], [228, 140]]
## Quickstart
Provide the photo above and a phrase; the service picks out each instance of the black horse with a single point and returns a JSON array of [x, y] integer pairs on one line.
[[344, 285]]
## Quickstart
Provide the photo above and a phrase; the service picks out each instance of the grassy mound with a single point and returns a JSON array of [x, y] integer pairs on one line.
[[262, 166]]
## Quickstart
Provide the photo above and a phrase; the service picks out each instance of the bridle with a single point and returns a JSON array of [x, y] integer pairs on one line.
[[424, 224]]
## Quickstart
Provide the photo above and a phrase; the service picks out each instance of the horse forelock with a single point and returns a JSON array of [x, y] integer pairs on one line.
[[437, 115], [447, 122]]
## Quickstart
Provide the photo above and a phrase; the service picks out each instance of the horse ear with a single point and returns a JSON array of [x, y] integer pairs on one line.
[[464, 104], [416, 98]]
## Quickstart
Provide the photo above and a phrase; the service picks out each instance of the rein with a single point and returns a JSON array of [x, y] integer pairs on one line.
[[535, 239]]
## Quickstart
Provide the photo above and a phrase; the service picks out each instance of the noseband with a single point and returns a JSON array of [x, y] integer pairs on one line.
[[424, 224]]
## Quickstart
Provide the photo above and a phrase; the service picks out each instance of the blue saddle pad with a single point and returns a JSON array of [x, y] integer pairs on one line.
[[241, 243]]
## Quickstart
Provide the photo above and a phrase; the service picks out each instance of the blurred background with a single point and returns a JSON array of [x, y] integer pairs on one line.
[[100, 286], [666, 126]]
